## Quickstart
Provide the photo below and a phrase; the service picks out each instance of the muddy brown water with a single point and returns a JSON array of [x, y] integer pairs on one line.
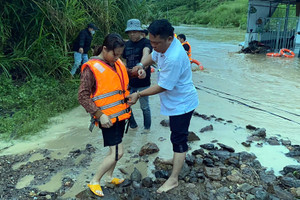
[[247, 89]]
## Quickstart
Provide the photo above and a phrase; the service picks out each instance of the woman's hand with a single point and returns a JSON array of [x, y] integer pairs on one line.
[[141, 74], [105, 121]]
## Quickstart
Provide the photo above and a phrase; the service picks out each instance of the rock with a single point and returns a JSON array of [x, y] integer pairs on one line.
[[261, 195], [250, 127], [165, 123], [282, 194], [193, 137], [208, 146], [185, 171], [201, 115], [245, 156], [219, 119], [285, 142], [290, 182], [208, 162], [245, 187], [48, 196], [213, 173], [136, 175], [296, 192], [147, 182], [221, 154], [235, 177], [267, 178], [293, 154], [273, 141], [291, 168], [126, 183], [207, 128], [136, 185], [261, 132], [192, 196], [198, 152], [227, 148], [161, 174], [246, 144], [190, 160], [250, 197], [123, 171], [233, 161], [148, 148], [253, 138]]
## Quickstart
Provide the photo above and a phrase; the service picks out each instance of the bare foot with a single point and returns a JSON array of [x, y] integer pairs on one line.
[[166, 161], [168, 185]]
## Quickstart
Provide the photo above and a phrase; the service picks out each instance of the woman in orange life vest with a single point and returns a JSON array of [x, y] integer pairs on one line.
[[102, 92], [187, 47]]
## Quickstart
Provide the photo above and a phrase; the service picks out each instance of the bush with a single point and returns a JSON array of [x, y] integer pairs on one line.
[[28, 106]]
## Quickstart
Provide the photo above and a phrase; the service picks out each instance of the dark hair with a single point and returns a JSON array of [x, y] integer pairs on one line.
[[182, 36], [145, 31], [111, 41], [161, 27]]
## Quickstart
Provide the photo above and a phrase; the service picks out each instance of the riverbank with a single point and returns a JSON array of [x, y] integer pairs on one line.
[[60, 160]]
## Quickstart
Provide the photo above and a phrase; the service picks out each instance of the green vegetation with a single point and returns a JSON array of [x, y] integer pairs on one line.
[[214, 13], [36, 55]]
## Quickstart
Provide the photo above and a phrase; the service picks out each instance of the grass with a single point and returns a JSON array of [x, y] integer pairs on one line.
[[26, 107]]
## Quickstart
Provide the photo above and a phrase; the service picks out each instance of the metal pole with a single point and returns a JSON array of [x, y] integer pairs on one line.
[[277, 38], [286, 22]]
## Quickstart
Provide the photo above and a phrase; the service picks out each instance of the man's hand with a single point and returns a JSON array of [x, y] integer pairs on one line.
[[132, 98], [105, 121], [80, 50]]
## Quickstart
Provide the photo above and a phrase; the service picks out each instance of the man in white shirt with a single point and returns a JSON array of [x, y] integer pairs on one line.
[[175, 87]]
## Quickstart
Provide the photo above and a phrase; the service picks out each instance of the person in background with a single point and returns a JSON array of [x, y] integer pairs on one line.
[[136, 49], [82, 45], [186, 45], [102, 92], [145, 33], [175, 87]]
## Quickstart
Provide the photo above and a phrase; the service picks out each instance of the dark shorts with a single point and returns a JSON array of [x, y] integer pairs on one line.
[[179, 125], [113, 135]]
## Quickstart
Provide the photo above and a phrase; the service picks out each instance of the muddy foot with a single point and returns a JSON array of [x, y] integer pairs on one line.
[[168, 185]]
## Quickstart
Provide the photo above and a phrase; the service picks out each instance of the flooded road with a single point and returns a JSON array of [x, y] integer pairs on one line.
[[266, 83], [246, 89]]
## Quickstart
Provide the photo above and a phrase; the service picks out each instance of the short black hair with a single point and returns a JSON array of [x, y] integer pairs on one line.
[[145, 31], [161, 27], [182, 36]]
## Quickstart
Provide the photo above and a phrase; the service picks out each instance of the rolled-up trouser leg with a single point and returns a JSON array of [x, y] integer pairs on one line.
[[179, 125]]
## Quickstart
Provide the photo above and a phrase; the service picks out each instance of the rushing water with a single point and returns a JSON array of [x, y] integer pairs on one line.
[[246, 88]]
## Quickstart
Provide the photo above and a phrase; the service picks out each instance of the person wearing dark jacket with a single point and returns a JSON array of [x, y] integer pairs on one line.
[[82, 45]]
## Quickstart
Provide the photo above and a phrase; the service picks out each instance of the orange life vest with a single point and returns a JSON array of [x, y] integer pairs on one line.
[[189, 52], [111, 88]]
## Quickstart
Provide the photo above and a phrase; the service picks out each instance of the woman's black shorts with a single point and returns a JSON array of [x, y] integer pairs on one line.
[[113, 135]]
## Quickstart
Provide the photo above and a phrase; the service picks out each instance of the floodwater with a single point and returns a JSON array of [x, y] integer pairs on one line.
[[247, 89]]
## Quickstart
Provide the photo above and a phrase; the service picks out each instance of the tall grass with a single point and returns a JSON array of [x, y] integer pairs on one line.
[[36, 55]]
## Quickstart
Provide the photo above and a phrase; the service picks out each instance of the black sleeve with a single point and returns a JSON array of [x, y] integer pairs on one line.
[[147, 44], [186, 47], [81, 38]]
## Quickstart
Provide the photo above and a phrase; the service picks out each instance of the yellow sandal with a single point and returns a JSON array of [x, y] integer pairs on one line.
[[95, 188], [117, 181]]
